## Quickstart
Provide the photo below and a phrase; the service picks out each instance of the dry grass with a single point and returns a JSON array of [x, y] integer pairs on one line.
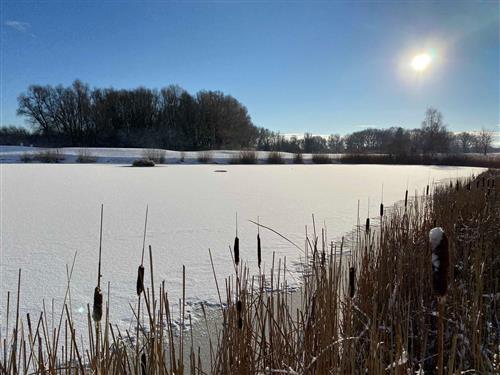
[[156, 155], [373, 311], [85, 156], [321, 159], [205, 157], [366, 305], [298, 159], [245, 157], [275, 157], [48, 156]]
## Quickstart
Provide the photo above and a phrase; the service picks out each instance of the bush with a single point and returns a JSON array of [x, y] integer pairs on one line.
[[275, 157], [205, 157], [48, 156], [143, 163], [298, 158], [26, 158], [182, 157], [245, 157], [321, 159], [154, 154], [86, 157]]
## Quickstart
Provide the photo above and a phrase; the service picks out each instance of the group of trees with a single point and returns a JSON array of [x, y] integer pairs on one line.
[[168, 118], [172, 118]]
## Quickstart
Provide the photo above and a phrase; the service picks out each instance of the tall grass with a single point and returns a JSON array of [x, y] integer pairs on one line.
[[321, 159], [156, 155], [275, 157], [365, 305], [244, 157]]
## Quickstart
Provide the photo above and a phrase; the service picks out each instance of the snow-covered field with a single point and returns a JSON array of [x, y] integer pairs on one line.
[[49, 212]]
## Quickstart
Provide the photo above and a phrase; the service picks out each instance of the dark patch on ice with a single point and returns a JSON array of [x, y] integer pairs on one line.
[[220, 170]]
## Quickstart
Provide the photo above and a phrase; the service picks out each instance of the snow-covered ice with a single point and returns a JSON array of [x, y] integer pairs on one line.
[[49, 212]]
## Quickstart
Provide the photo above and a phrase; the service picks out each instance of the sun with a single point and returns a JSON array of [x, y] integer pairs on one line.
[[421, 62]]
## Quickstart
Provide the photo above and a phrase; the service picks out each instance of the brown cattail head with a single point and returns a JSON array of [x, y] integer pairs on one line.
[[143, 364], [259, 251], [406, 197], [352, 281], [97, 307], [236, 250], [381, 209], [440, 261], [367, 225], [239, 306], [140, 280], [427, 190]]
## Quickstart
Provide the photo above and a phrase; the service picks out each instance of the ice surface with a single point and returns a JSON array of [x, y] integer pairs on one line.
[[50, 211]]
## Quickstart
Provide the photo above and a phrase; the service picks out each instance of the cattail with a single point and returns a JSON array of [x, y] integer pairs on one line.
[[98, 298], [427, 190], [140, 280], [440, 261], [236, 250], [367, 225], [381, 209], [259, 252], [239, 308], [140, 272], [143, 363], [457, 185], [97, 307], [406, 197], [352, 279]]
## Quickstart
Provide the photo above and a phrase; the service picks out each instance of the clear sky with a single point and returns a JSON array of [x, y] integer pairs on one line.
[[322, 67]]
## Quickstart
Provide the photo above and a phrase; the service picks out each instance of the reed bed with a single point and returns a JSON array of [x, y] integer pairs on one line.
[[372, 303]]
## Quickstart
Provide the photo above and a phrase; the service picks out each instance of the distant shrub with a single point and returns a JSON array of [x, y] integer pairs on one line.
[[321, 159], [298, 158], [463, 160], [275, 157], [182, 157], [154, 154], [26, 158], [245, 157], [205, 157], [85, 157], [143, 163], [48, 156]]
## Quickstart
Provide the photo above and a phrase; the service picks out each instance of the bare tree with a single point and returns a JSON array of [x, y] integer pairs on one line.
[[435, 135], [484, 140]]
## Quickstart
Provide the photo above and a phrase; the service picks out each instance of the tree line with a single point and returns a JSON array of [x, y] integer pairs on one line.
[[172, 118]]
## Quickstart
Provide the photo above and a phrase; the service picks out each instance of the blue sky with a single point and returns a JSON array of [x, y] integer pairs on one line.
[[322, 67]]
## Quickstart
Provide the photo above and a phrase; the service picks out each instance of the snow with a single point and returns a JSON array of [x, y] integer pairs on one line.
[[13, 154], [49, 212], [435, 236]]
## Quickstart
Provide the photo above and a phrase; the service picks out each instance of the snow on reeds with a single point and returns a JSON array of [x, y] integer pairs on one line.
[[364, 306]]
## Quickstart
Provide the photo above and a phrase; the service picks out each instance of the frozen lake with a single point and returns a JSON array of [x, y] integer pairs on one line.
[[50, 211]]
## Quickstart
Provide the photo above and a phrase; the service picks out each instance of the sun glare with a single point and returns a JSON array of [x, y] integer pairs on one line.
[[421, 62]]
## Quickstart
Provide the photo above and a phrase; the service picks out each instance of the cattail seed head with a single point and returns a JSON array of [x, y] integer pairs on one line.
[[97, 307], [352, 280], [143, 363], [367, 225], [140, 280], [381, 209], [239, 306], [236, 250], [259, 251], [440, 261], [406, 198], [427, 190]]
